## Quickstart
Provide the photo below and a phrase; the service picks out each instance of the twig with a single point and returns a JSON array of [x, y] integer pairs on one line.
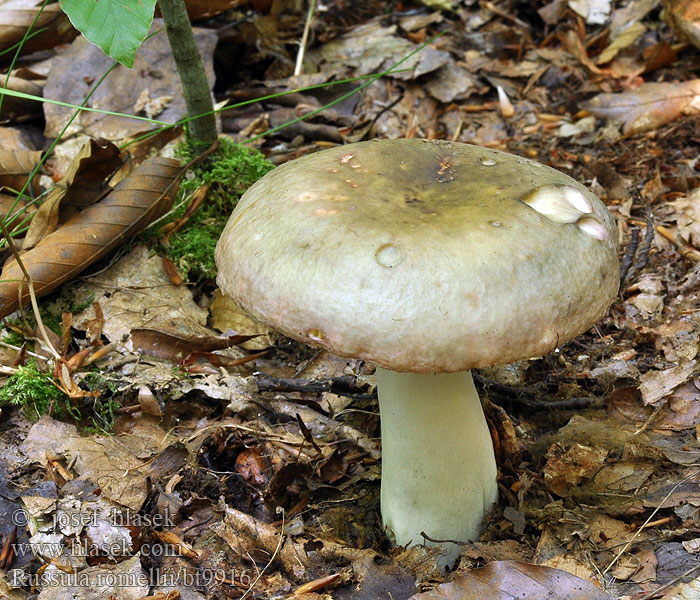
[[634, 261], [344, 385], [304, 38], [18, 349], [684, 249], [628, 258], [658, 590], [274, 555], [648, 240], [32, 295], [647, 522]]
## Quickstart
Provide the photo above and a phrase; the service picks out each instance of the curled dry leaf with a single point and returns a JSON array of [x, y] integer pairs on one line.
[[508, 580], [92, 233], [176, 348], [84, 183]]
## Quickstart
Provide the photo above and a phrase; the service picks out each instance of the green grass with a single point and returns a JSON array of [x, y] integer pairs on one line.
[[229, 172]]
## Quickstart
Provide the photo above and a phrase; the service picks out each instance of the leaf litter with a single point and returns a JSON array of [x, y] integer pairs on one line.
[[599, 440]]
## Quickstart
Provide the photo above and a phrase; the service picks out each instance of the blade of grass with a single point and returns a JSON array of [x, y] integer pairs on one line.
[[28, 279], [79, 107], [21, 42], [346, 95]]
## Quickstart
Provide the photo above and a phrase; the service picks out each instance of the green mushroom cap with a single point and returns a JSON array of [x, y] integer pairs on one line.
[[421, 255]]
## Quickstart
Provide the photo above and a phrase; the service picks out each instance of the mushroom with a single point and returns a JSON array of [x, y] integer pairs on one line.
[[427, 258]]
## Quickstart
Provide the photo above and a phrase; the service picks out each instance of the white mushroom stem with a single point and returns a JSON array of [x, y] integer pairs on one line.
[[438, 466]]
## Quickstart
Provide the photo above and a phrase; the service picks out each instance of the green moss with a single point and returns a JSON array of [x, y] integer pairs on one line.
[[229, 172], [35, 392]]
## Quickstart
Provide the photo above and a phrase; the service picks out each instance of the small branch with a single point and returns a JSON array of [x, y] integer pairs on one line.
[[305, 37]]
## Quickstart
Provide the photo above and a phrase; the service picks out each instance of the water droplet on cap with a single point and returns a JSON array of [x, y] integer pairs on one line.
[[389, 255], [488, 162], [496, 223]]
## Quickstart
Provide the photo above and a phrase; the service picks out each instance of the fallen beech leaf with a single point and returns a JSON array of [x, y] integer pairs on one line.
[[626, 38], [649, 106], [85, 182], [511, 580], [227, 316], [176, 348], [93, 232], [687, 215], [656, 385], [658, 56]]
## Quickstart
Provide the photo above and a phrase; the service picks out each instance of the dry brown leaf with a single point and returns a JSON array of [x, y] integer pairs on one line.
[[10, 204], [16, 165], [176, 347], [249, 537], [649, 106], [626, 38], [226, 315], [511, 580], [687, 215], [176, 544], [93, 232], [87, 175], [658, 384], [568, 465], [75, 69], [85, 181]]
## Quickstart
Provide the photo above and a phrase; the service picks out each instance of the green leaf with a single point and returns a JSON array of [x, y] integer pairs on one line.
[[117, 27]]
